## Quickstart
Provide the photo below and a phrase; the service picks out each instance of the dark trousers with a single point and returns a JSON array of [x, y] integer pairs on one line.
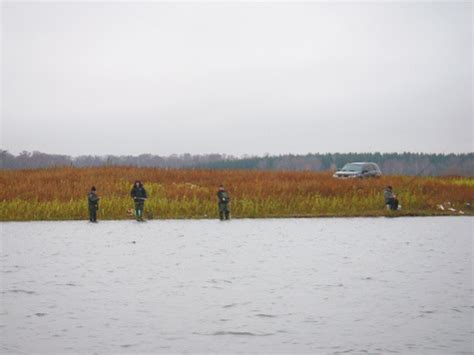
[[393, 203], [224, 212], [92, 213], [139, 210]]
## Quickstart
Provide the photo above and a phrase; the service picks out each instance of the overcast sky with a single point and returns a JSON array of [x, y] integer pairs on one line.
[[236, 78]]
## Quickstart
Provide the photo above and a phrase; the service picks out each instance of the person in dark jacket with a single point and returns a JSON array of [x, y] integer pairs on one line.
[[223, 200], [390, 198], [139, 196], [93, 203]]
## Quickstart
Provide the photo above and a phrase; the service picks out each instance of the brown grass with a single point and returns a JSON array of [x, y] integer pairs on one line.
[[47, 194]]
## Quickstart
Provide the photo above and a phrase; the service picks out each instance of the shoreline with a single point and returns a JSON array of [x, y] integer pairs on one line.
[[386, 215]]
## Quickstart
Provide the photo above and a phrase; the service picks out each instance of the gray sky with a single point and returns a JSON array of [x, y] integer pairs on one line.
[[236, 78]]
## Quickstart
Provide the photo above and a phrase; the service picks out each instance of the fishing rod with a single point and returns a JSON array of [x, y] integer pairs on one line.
[[417, 175], [407, 186]]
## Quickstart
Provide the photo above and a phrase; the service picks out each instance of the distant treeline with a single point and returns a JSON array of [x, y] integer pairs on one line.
[[390, 163]]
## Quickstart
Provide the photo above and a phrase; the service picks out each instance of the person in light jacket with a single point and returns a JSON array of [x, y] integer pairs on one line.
[[390, 198]]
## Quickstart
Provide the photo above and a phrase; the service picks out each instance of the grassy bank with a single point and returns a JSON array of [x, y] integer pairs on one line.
[[60, 194]]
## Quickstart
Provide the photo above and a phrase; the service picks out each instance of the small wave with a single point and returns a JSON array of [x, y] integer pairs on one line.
[[127, 345], [68, 284], [215, 281], [223, 332], [20, 291], [329, 285], [263, 315], [16, 268]]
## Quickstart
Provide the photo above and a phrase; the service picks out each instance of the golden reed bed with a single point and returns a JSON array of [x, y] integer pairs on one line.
[[60, 194]]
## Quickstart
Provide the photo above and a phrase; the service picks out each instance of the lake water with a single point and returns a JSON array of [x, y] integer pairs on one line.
[[377, 285]]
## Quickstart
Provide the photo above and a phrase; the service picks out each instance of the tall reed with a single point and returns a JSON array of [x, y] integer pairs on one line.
[[60, 193]]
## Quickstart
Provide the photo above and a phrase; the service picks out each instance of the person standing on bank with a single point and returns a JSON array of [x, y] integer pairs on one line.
[[390, 198], [139, 196], [223, 200], [93, 203]]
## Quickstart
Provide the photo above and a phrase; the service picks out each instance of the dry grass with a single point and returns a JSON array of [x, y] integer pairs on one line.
[[60, 194]]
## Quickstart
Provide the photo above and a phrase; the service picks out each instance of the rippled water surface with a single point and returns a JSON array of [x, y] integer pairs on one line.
[[375, 285]]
